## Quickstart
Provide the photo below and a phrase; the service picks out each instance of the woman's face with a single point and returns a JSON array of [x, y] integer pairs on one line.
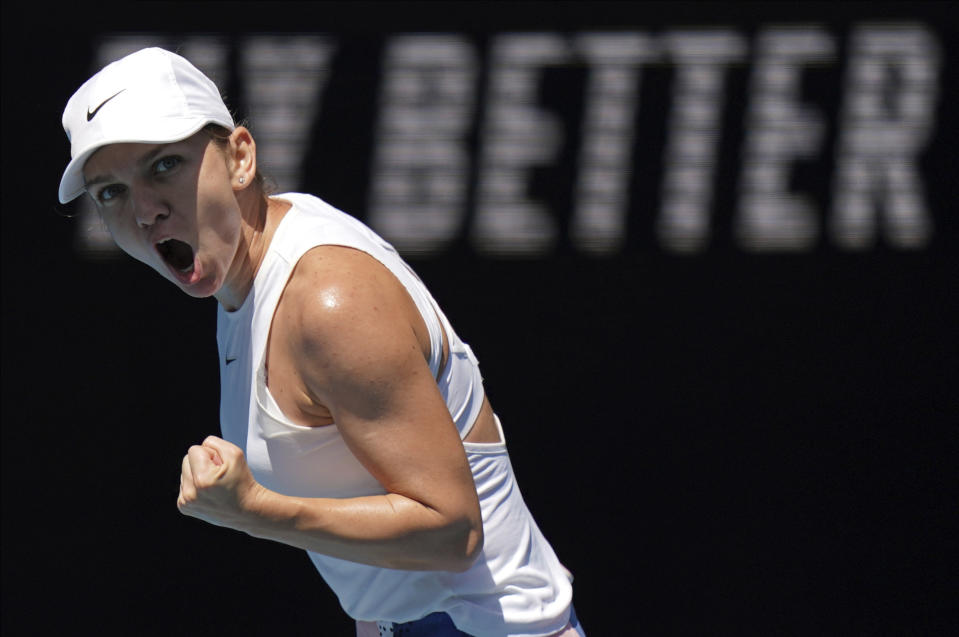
[[171, 206]]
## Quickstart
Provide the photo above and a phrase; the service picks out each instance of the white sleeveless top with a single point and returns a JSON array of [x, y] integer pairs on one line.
[[517, 586]]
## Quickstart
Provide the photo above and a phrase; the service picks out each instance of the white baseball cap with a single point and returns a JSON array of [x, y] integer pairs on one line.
[[152, 96]]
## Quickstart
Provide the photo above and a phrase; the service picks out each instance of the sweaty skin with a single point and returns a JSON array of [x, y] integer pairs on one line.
[[321, 276], [192, 191], [347, 346]]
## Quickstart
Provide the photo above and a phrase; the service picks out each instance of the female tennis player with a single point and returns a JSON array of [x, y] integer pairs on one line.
[[354, 421]]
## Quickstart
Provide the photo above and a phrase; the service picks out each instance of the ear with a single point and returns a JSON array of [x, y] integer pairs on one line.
[[242, 158]]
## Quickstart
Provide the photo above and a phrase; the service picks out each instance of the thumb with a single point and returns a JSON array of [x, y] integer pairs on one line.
[[219, 448]]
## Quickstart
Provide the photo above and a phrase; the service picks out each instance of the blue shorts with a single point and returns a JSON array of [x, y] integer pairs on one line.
[[440, 625]]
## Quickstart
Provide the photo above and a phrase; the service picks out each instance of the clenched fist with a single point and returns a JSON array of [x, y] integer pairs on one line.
[[216, 484]]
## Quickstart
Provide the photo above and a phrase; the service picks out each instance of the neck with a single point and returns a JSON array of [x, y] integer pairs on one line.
[[260, 218]]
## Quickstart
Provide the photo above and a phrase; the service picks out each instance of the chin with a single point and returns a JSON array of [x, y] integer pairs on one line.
[[202, 289]]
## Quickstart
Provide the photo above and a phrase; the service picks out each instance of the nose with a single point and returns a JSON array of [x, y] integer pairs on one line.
[[148, 206]]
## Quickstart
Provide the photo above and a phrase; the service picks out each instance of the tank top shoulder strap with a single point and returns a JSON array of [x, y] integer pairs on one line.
[[311, 222]]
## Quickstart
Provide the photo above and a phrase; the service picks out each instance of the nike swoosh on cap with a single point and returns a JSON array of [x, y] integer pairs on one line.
[[93, 113]]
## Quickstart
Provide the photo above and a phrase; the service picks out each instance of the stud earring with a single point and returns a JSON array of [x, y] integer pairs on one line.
[[242, 180]]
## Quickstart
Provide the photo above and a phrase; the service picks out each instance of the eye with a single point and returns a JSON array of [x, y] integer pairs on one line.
[[166, 164], [108, 193]]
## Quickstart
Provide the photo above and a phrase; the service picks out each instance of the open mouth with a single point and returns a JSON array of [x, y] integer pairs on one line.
[[178, 254]]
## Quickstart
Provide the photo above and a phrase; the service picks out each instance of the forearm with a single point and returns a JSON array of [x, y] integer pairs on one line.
[[390, 531]]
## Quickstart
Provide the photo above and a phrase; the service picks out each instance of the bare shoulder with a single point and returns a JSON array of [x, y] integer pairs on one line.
[[341, 288], [346, 324]]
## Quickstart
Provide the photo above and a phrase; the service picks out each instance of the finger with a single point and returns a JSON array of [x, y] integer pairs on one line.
[[187, 484], [203, 461], [180, 498], [186, 470], [205, 458], [223, 448]]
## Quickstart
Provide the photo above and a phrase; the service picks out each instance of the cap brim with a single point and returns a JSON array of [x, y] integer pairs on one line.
[[72, 184]]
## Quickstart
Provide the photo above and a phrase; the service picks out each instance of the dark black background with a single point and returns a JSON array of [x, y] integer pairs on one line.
[[726, 443]]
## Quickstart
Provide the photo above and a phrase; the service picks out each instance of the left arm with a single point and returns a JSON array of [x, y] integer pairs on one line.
[[346, 324]]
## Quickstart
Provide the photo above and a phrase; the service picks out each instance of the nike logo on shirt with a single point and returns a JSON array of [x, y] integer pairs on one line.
[[230, 360]]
